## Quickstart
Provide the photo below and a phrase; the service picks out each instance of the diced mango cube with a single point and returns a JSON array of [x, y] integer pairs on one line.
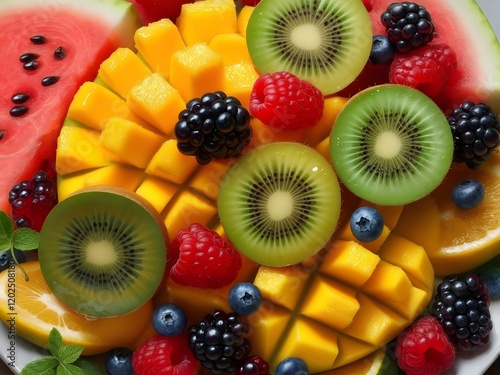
[[283, 285], [70, 183], [208, 177], [345, 233], [332, 107], [115, 175], [157, 42], [122, 70], [243, 17], [157, 191], [130, 142], [331, 303], [350, 262], [232, 47], [168, 163], [388, 282], [351, 349], [219, 14], [196, 70], [239, 81], [155, 100], [94, 104], [412, 305], [78, 148]]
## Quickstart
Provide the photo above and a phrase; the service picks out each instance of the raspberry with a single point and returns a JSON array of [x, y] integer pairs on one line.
[[251, 3], [254, 365], [214, 126], [408, 25], [424, 348], [284, 101], [206, 260], [32, 200], [476, 133], [426, 69], [162, 355]]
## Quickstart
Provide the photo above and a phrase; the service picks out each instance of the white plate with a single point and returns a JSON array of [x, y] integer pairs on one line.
[[473, 364]]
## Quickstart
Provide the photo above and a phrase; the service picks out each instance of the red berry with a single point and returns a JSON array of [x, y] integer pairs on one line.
[[205, 260], [154, 10], [282, 100], [426, 69], [251, 3], [162, 355], [424, 348]]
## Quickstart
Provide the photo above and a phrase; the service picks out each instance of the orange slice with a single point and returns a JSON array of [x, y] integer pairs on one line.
[[469, 238], [31, 310]]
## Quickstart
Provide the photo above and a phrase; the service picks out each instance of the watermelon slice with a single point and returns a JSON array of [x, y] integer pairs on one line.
[[79, 35], [478, 52]]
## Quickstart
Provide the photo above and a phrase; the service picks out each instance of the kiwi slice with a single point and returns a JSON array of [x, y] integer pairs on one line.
[[279, 203], [391, 145], [102, 251], [324, 42]]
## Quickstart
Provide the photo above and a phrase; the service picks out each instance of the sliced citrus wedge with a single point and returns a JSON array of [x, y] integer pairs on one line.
[[469, 238], [30, 310]]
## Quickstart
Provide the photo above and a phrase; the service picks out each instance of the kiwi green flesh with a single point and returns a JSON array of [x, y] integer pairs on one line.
[[324, 42], [391, 145], [279, 203], [102, 254]]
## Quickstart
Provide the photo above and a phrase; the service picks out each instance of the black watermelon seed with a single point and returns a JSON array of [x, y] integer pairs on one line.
[[27, 57], [18, 110], [31, 65], [38, 39], [19, 98], [2, 134], [59, 53], [50, 80]]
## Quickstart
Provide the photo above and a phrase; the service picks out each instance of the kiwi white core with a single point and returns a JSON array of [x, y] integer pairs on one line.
[[388, 145], [306, 37], [101, 253], [280, 205]]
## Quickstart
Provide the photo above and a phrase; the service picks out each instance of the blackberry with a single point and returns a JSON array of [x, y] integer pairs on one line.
[[461, 305], [408, 25], [219, 341], [476, 133], [214, 126]]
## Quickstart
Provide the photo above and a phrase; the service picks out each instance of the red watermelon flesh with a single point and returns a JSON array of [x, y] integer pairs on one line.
[[88, 35], [462, 25]]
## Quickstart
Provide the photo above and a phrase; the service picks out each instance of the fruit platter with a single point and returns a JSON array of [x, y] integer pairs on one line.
[[250, 187]]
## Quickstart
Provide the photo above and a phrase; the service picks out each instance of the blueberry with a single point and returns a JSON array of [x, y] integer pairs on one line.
[[169, 319], [366, 224], [382, 50], [118, 361], [6, 258], [245, 298], [292, 366], [467, 194]]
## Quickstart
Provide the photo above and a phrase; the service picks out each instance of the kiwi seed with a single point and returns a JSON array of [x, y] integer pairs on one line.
[[279, 203], [324, 42], [102, 251], [391, 145]]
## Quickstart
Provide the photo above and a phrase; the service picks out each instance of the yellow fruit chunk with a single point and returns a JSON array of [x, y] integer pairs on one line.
[[196, 70], [411, 257], [377, 363], [158, 192], [239, 80], [322, 130], [345, 233], [156, 101], [352, 349], [232, 48], [283, 285], [70, 183], [331, 303], [38, 311], [122, 70], [388, 282], [151, 43], [132, 143], [312, 341], [350, 262], [412, 305], [264, 134], [242, 21], [78, 148], [194, 18], [94, 104], [469, 238], [207, 178], [168, 163], [115, 175]]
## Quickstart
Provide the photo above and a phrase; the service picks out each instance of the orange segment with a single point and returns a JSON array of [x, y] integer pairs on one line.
[[38, 311]]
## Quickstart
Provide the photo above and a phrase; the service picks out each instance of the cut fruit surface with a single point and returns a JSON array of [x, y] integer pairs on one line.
[[38, 311]]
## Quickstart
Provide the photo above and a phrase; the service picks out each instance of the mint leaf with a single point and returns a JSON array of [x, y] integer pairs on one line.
[[55, 342], [42, 366], [5, 244], [6, 226], [68, 369], [25, 239], [91, 367], [69, 353]]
